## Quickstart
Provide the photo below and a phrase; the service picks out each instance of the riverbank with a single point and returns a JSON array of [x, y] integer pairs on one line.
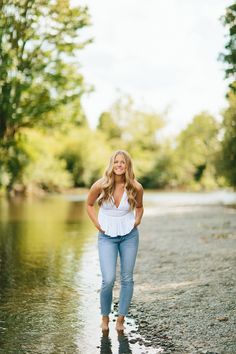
[[184, 299], [35, 191]]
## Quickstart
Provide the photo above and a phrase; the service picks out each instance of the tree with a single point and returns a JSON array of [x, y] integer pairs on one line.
[[163, 173], [227, 160], [85, 153], [197, 146], [39, 70], [134, 130], [229, 57], [107, 125]]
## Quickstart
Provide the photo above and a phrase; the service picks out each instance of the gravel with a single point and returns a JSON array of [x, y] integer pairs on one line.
[[184, 295]]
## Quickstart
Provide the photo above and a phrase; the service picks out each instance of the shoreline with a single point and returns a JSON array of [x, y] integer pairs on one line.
[[34, 191]]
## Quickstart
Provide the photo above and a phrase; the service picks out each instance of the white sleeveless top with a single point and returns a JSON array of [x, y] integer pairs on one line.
[[116, 221]]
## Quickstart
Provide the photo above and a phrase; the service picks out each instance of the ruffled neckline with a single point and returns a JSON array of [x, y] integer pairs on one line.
[[120, 200]]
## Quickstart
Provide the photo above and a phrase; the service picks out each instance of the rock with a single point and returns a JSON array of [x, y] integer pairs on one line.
[[222, 318]]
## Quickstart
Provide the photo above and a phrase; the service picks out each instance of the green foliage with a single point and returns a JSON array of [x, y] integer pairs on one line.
[[163, 171], [188, 162], [227, 158], [196, 149], [64, 118], [45, 169], [55, 161], [132, 129], [107, 125], [86, 154], [31, 160], [14, 159], [138, 127], [229, 57], [39, 70], [77, 156]]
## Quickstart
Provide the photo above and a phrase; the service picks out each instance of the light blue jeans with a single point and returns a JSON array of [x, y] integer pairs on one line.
[[108, 249]]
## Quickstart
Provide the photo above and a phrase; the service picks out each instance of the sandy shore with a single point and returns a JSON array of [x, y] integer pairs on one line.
[[185, 299]]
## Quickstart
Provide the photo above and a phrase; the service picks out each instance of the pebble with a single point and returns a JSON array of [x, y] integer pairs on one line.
[[222, 318]]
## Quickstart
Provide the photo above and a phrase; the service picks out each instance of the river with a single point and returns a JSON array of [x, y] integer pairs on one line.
[[50, 277]]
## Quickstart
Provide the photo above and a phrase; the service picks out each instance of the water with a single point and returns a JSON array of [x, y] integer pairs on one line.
[[50, 280], [50, 277]]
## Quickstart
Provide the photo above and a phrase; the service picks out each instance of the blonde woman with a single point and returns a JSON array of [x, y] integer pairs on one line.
[[120, 197]]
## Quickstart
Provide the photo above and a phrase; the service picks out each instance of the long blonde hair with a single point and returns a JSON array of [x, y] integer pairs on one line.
[[108, 181]]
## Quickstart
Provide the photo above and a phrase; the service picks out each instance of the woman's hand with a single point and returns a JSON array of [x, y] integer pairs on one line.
[[139, 205], [137, 222], [97, 225]]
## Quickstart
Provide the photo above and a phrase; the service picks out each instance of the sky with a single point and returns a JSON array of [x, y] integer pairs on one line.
[[163, 53]]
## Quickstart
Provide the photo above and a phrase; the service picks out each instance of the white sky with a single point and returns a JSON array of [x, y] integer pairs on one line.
[[161, 52]]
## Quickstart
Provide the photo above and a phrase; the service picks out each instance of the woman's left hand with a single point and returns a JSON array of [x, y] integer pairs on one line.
[[137, 222]]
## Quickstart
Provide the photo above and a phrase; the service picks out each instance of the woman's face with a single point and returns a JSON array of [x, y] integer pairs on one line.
[[119, 166]]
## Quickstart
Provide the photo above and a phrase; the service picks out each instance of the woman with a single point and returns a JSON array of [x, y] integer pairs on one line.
[[118, 194]]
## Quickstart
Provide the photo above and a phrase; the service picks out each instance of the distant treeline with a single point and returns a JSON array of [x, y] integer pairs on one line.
[[46, 141]]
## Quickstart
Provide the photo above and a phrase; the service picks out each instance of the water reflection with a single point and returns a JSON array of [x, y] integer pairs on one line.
[[106, 344], [41, 245], [123, 344]]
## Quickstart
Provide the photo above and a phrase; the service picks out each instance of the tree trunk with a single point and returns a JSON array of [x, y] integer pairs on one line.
[[3, 126]]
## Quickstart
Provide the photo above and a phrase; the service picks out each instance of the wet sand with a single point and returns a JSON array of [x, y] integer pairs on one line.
[[184, 299]]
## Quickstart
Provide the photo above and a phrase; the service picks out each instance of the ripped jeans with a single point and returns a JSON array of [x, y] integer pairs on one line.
[[108, 248]]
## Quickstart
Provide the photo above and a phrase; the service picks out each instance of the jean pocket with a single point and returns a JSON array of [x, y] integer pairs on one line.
[[136, 230]]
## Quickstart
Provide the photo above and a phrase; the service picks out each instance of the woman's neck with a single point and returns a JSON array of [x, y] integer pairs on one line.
[[119, 179]]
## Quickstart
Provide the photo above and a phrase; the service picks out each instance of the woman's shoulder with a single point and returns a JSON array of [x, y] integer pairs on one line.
[[97, 185], [138, 185]]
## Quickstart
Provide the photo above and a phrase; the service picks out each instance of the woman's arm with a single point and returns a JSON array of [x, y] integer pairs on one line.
[[139, 207], [93, 194]]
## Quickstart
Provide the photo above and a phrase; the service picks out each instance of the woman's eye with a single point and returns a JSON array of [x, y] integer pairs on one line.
[[122, 162]]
